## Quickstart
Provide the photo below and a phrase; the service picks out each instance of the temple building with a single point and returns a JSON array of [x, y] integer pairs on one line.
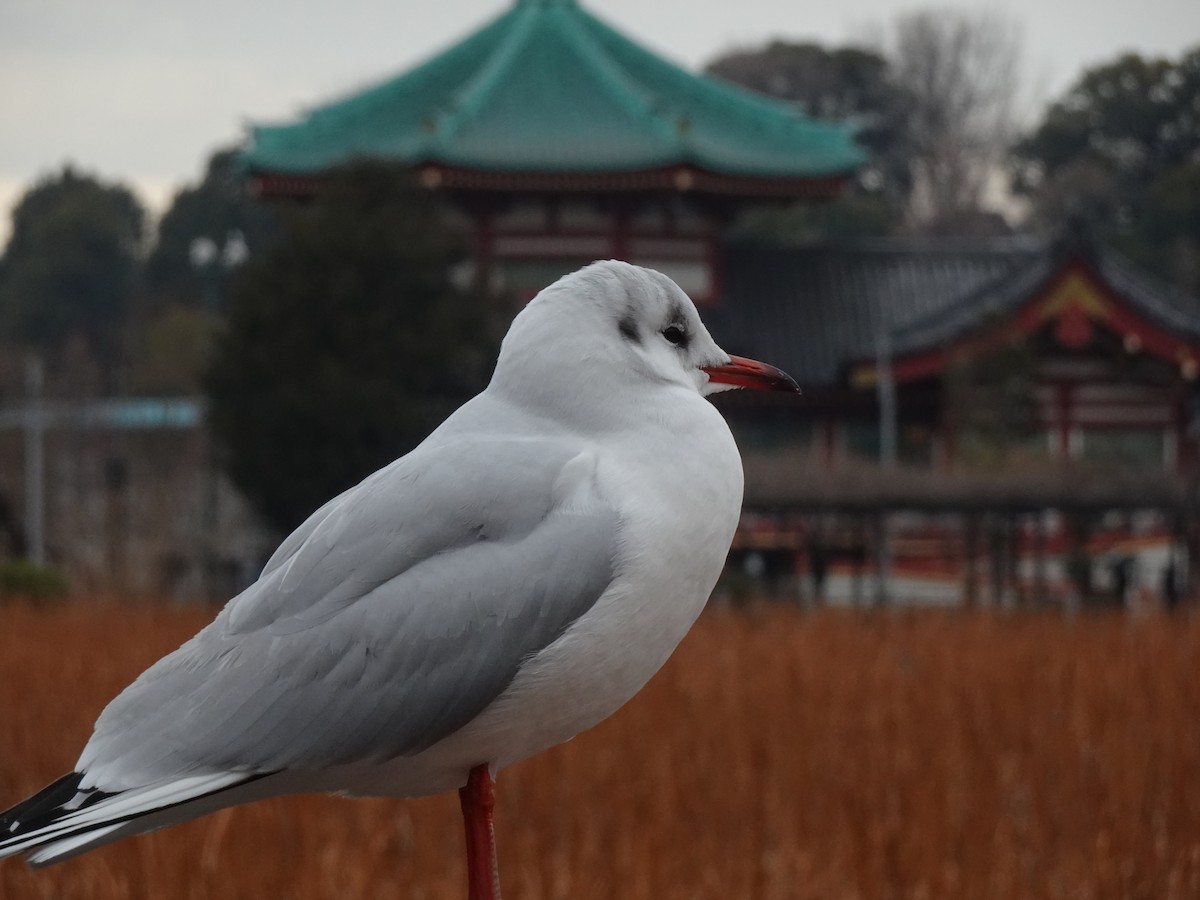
[[556, 141], [1101, 359], [974, 411]]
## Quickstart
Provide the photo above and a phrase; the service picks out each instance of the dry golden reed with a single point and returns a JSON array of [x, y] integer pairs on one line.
[[779, 755]]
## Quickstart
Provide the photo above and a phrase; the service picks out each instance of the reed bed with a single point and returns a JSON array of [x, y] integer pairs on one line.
[[780, 755]]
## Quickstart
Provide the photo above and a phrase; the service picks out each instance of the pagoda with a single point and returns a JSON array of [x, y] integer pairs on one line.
[[556, 141]]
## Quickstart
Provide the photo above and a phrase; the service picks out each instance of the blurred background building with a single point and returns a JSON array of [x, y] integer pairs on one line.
[[555, 141], [988, 417]]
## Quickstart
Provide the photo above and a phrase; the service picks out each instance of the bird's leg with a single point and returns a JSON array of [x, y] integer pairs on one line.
[[478, 798]]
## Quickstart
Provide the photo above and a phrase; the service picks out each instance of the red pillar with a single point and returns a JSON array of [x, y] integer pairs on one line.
[[1183, 453], [948, 448], [1063, 390], [828, 440], [620, 238], [485, 244], [714, 261]]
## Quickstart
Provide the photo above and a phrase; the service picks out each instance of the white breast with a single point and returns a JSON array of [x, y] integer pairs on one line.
[[677, 523]]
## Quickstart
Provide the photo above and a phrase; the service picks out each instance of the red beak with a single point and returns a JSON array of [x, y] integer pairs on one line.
[[750, 373]]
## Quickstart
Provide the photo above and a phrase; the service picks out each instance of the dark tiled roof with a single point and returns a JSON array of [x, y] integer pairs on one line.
[[814, 310], [1163, 303], [988, 301]]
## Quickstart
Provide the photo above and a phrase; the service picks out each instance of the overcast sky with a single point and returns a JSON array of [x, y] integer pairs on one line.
[[142, 91]]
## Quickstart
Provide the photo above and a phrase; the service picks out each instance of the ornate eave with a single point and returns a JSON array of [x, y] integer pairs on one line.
[[1073, 302], [681, 179]]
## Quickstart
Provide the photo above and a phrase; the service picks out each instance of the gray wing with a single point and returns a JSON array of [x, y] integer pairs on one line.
[[405, 608]]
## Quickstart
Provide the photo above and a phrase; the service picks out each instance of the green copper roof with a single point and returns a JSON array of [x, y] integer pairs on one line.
[[547, 87]]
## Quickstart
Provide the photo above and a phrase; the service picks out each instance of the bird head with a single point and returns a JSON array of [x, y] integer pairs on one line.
[[613, 326]]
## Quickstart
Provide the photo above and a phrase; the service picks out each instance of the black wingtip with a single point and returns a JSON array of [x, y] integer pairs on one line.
[[46, 806]]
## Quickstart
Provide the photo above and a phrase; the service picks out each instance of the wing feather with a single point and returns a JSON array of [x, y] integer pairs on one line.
[[405, 608]]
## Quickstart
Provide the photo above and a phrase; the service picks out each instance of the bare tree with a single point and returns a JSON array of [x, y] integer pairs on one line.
[[961, 70]]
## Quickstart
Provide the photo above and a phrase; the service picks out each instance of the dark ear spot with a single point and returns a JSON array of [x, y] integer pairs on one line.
[[628, 328]]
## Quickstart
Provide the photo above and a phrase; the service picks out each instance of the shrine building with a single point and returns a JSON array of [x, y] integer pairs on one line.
[[1021, 410], [1104, 357], [556, 141]]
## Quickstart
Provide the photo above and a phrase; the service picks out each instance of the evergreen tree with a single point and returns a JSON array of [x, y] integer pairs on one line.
[[346, 343], [71, 265]]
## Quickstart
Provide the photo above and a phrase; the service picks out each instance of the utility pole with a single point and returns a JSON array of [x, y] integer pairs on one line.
[[212, 262], [885, 388], [35, 459]]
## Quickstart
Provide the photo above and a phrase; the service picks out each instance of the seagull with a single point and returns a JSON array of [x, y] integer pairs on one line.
[[508, 584]]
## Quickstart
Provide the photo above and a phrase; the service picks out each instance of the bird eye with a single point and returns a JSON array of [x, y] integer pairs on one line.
[[674, 334]]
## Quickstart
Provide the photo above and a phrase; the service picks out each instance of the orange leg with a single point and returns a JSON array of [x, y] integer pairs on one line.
[[478, 798]]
